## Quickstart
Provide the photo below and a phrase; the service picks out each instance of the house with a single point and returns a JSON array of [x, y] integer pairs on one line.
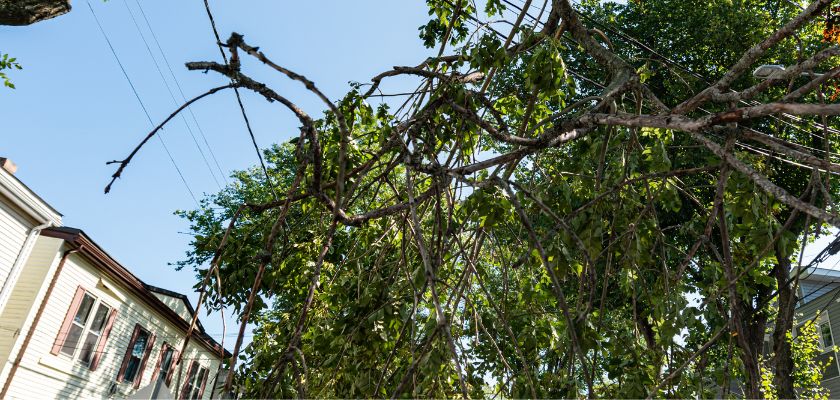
[[819, 296], [75, 323]]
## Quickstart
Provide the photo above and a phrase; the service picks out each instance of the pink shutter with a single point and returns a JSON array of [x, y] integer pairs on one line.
[[172, 367], [149, 345], [68, 320], [155, 374], [128, 353], [100, 348], [184, 393], [203, 382]]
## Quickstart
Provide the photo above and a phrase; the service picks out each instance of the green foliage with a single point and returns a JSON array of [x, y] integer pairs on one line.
[[808, 371], [607, 219], [9, 63]]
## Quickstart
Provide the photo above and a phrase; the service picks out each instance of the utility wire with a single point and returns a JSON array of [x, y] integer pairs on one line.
[[831, 249], [143, 106], [181, 91], [239, 100], [171, 94], [637, 43]]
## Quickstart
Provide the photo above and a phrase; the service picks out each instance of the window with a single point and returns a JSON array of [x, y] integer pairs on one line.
[[163, 371], [85, 329], [825, 334], [94, 333], [135, 356], [825, 343], [194, 384]]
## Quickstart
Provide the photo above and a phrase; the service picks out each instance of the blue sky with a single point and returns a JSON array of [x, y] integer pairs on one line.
[[73, 110]]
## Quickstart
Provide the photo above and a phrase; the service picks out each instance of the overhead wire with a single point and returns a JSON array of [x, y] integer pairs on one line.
[[142, 105], [640, 45], [637, 43], [239, 101], [171, 94], [830, 249], [181, 91]]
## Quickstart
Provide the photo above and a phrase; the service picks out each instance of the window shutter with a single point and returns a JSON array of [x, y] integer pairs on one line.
[[203, 382], [68, 320], [172, 367], [128, 352], [100, 348], [149, 345], [186, 383], [157, 370]]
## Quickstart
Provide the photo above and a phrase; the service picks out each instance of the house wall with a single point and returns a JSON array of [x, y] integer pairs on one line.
[[810, 290], [175, 304], [14, 227], [31, 286], [44, 375], [832, 307]]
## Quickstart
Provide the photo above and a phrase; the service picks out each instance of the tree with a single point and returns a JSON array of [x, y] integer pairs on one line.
[[599, 202], [27, 12]]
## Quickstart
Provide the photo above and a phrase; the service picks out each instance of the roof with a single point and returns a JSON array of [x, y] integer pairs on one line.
[[87, 247], [820, 274], [179, 296], [13, 187]]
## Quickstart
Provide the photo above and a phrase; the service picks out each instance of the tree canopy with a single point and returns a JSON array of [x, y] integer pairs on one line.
[[579, 199]]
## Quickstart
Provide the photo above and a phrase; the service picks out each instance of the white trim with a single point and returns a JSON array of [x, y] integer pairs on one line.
[[24, 198], [20, 261], [107, 288]]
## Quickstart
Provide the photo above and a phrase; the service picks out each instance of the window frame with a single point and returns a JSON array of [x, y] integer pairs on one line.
[[822, 320], [159, 373], [86, 328], [150, 343], [196, 383]]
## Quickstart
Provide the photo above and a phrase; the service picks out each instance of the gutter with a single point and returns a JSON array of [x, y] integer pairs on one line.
[[33, 327], [17, 267]]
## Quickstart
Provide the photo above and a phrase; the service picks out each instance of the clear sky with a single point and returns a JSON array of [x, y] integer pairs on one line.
[[73, 110]]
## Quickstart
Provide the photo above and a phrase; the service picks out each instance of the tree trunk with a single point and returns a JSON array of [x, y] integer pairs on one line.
[[752, 343], [782, 361], [752, 369], [26, 12]]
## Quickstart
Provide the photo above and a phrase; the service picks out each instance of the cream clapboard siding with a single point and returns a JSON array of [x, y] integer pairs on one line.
[[43, 375], [175, 304], [13, 230], [31, 286]]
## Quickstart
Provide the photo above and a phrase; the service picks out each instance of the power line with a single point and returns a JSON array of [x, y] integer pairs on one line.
[[169, 89], [637, 43], [143, 106], [239, 100], [181, 91]]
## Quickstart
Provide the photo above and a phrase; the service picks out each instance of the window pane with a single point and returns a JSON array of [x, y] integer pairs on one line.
[[140, 345], [137, 351], [166, 363], [131, 369], [89, 347], [99, 318], [84, 309], [197, 384], [188, 391], [825, 330], [71, 342]]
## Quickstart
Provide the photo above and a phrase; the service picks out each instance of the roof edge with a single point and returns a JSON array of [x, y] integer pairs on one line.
[[27, 199], [89, 248]]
